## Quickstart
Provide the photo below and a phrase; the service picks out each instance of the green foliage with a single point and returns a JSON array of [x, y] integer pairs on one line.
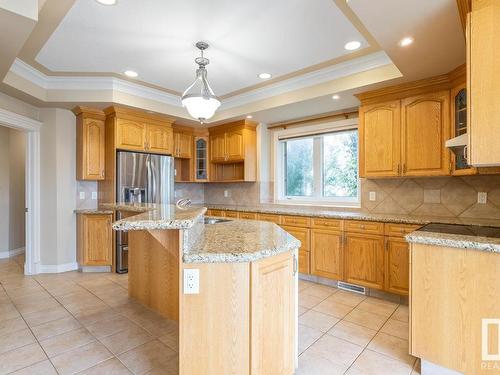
[[299, 167]]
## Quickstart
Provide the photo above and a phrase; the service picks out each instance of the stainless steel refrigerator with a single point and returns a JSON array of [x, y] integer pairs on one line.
[[141, 178]]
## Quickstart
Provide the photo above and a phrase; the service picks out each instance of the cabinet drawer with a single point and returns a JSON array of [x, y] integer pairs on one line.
[[296, 221], [219, 213], [399, 230], [269, 217], [369, 227], [232, 214], [302, 234], [334, 224], [247, 215]]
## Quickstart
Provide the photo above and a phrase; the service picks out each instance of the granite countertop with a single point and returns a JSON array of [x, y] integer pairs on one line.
[[353, 214], [462, 237], [93, 211], [238, 241], [151, 216]]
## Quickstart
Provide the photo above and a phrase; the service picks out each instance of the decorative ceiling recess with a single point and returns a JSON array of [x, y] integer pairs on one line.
[[155, 39]]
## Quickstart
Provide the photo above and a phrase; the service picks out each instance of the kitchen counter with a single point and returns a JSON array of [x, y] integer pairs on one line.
[[352, 214], [458, 236]]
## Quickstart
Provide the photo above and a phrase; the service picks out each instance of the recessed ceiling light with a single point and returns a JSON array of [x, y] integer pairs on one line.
[[335, 97], [265, 75], [351, 46], [107, 2], [249, 116], [406, 41], [130, 73]]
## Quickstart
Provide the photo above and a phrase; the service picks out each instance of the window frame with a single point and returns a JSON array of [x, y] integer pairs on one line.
[[279, 165]]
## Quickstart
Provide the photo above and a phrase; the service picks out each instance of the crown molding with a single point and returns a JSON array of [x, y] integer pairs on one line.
[[11, 119]]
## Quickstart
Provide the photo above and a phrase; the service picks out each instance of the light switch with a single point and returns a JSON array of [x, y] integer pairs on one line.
[[82, 195], [94, 195], [227, 193], [191, 281], [482, 197], [372, 196]]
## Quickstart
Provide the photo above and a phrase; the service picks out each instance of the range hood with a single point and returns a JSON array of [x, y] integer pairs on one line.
[[457, 144]]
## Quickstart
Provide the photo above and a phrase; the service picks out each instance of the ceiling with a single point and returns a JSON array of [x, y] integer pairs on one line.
[[78, 50], [156, 39]]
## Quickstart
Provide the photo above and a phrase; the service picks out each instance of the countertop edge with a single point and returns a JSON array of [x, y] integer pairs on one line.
[[486, 244]]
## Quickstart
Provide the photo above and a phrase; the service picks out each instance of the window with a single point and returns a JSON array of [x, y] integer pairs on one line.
[[320, 168]]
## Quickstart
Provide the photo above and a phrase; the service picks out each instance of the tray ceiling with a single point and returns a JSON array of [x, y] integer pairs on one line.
[[156, 38]]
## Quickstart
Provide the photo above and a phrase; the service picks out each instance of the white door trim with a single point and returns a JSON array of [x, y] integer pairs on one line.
[[32, 127]]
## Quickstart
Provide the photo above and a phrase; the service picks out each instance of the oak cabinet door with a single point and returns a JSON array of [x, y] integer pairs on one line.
[[364, 260], [130, 135], [273, 318], [304, 236], [380, 139], [159, 139], [217, 148], [426, 127], [90, 152], [327, 254], [234, 146], [183, 145], [95, 240], [397, 266]]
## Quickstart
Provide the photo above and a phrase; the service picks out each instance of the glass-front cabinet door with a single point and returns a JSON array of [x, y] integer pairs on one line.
[[201, 159], [459, 127]]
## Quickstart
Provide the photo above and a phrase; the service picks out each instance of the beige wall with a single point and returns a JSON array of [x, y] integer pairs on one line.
[[12, 189]]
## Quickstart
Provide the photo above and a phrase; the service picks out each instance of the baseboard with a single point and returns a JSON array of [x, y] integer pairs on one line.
[[11, 253], [57, 268]]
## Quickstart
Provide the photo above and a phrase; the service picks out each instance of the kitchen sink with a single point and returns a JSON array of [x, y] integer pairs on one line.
[[214, 220]]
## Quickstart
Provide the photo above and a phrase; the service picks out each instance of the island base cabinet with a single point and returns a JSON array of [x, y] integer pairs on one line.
[[243, 321]]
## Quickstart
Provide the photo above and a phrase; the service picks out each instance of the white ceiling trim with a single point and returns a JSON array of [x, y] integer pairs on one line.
[[17, 121], [344, 69]]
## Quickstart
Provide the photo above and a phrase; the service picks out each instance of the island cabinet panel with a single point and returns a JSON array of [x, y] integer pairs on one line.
[[327, 253], [452, 291], [273, 320], [425, 122], [130, 135], [364, 260], [483, 77], [95, 240], [304, 236], [397, 266], [380, 139], [215, 324]]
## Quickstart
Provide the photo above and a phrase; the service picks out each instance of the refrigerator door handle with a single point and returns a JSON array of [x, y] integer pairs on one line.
[[148, 179]]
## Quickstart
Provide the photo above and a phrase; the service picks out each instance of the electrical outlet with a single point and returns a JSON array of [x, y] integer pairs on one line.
[[82, 195], [373, 196], [94, 195], [191, 281], [482, 197], [177, 194], [227, 193]]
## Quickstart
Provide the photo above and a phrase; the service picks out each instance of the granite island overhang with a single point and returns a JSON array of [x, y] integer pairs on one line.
[[241, 316]]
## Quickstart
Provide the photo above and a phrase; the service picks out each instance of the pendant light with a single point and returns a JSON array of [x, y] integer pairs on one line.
[[199, 98]]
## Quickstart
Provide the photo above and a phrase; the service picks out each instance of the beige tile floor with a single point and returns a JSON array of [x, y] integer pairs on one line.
[[81, 323]]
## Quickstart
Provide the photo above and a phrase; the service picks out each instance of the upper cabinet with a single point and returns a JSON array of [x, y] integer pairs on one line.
[[483, 77], [233, 152], [137, 131], [90, 138], [425, 124], [183, 144], [380, 139]]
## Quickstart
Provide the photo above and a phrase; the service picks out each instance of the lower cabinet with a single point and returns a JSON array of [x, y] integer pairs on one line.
[[364, 260], [94, 240], [397, 266], [273, 318], [303, 235], [327, 253]]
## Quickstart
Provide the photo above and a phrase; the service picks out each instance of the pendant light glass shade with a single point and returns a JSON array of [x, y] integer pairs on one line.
[[199, 98]]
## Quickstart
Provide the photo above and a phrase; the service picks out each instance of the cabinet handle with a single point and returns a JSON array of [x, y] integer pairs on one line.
[[295, 264], [404, 168], [102, 173], [399, 169]]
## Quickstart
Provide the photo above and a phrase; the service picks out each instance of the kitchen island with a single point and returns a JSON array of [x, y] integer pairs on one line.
[[232, 286]]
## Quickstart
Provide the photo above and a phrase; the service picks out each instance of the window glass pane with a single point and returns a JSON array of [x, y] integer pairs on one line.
[[340, 164], [299, 167]]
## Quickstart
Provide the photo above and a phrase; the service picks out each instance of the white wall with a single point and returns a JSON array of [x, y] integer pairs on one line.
[[58, 187], [4, 189]]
